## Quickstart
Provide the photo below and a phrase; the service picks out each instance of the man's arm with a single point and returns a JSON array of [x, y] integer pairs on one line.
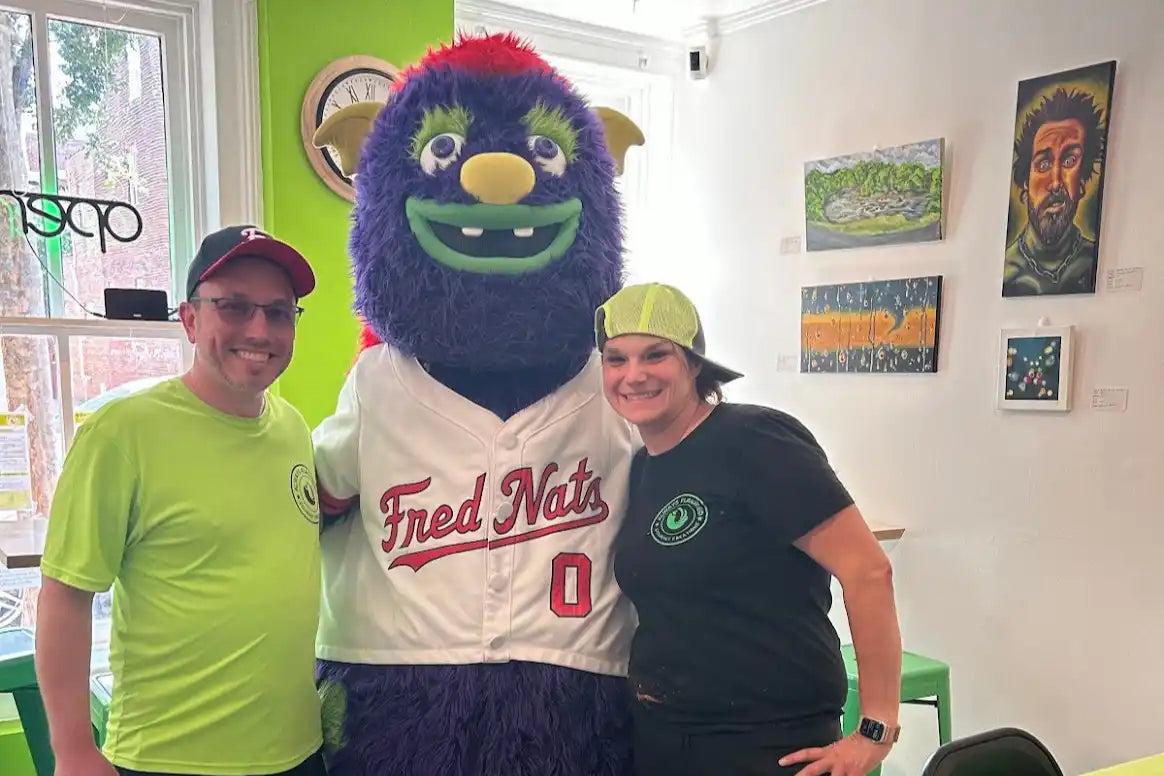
[[64, 638], [88, 530]]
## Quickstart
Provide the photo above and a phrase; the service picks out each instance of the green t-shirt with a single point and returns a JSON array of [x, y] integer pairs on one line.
[[206, 526]]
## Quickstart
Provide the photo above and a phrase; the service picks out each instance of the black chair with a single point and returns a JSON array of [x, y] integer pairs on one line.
[[1000, 752]]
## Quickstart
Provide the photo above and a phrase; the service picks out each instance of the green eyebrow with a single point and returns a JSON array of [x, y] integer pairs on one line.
[[437, 121], [552, 123]]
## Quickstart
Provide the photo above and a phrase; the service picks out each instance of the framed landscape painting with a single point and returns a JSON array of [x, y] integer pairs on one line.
[[886, 197]]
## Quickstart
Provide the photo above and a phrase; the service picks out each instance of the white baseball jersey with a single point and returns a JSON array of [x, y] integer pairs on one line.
[[478, 540]]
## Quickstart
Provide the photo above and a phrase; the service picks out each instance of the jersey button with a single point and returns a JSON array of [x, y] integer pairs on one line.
[[497, 641], [499, 581], [507, 441], [503, 512]]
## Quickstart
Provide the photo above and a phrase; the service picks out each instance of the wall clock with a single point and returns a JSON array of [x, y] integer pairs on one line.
[[358, 78]]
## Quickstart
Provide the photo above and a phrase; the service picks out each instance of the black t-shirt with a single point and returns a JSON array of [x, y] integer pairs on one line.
[[733, 619]]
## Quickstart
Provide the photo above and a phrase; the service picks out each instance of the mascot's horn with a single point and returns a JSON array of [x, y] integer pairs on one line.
[[346, 129]]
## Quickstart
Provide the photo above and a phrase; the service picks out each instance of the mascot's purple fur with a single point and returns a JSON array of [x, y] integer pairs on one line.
[[487, 230]]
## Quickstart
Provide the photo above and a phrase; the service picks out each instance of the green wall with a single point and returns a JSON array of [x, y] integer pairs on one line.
[[297, 38], [15, 759]]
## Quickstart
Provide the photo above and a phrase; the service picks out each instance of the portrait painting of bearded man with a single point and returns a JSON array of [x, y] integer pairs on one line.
[[1060, 149]]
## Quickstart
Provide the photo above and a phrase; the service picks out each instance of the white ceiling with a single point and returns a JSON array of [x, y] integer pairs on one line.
[[657, 18]]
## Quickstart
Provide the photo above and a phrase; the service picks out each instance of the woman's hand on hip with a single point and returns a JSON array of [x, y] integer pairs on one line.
[[853, 755], [87, 761]]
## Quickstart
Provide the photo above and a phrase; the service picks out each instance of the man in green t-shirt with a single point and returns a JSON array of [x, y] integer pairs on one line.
[[195, 500]]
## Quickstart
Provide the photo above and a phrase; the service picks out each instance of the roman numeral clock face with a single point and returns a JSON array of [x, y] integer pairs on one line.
[[340, 84], [359, 86]]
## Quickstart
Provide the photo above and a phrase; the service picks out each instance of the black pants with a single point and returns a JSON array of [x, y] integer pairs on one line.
[[662, 749], [312, 766]]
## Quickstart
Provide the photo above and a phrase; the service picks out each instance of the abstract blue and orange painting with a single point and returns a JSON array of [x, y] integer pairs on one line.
[[883, 326]]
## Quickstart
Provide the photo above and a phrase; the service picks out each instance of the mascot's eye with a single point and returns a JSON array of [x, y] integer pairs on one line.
[[543, 146], [548, 154], [443, 146], [440, 152]]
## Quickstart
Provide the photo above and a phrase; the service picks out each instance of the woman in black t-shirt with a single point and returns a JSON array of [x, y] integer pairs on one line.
[[735, 526]]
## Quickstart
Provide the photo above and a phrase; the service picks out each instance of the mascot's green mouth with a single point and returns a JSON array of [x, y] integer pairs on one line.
[[494, 239]]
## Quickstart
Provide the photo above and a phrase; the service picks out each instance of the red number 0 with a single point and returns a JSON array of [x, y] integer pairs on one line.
[[582, 604]]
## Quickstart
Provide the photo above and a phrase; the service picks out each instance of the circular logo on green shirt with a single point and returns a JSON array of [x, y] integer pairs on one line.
[[304, 493], [683, 517]]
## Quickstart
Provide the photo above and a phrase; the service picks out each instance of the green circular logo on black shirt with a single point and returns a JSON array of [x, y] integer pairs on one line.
[[303, 491], [682, 518]]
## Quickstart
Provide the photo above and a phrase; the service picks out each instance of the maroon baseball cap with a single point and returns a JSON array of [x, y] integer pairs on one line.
[[232, 242]]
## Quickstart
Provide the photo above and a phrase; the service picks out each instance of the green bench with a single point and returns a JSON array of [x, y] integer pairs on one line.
[[100, 693], [18, 678], [924, 680]]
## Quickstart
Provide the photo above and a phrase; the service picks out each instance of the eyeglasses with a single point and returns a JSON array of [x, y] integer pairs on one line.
[[239, 311]]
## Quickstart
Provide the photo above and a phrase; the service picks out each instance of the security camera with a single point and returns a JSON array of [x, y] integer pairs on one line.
[[697, 62]]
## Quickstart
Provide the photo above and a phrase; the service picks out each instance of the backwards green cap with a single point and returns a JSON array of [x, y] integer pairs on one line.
[[661, 311]]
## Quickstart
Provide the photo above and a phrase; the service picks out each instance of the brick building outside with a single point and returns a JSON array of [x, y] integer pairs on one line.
[[131, 166]]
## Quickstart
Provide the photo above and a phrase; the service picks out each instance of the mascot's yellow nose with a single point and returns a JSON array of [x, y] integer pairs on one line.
[[497, 178]]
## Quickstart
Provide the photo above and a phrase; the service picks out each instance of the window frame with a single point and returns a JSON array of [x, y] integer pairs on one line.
[[181, 27], [649, 100], [63, 330], [172, 23], [645, 94], [214, 162], [645, 70]]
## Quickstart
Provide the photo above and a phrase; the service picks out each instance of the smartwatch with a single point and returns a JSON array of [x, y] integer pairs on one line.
[[877, 731]]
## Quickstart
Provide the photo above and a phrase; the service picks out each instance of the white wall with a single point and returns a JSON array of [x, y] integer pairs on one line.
[[1032, 557]]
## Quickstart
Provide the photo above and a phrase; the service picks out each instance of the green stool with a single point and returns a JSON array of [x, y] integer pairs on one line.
[[100, 694], [922, 678], [18, 677]]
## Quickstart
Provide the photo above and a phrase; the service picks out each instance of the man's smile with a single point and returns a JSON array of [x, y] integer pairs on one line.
[[258, 356], [494, 239]]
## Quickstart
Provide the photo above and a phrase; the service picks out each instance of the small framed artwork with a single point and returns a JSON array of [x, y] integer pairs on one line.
[[1034, 369]]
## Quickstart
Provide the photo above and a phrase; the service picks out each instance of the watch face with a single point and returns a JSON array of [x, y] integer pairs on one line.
[[357, 85], [872, 729]]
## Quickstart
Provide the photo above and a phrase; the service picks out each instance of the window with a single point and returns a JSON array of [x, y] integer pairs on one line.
[[645, 99], [133, 73], [98, 189], [82, 365]]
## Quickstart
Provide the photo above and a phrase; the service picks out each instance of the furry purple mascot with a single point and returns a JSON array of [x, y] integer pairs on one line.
[[471, 622]]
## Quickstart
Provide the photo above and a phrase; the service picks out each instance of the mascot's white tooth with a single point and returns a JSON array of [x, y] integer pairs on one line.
[[472, 231], [525, 231]]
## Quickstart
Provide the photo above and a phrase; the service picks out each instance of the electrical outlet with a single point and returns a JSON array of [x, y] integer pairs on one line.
[[790, 245]]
